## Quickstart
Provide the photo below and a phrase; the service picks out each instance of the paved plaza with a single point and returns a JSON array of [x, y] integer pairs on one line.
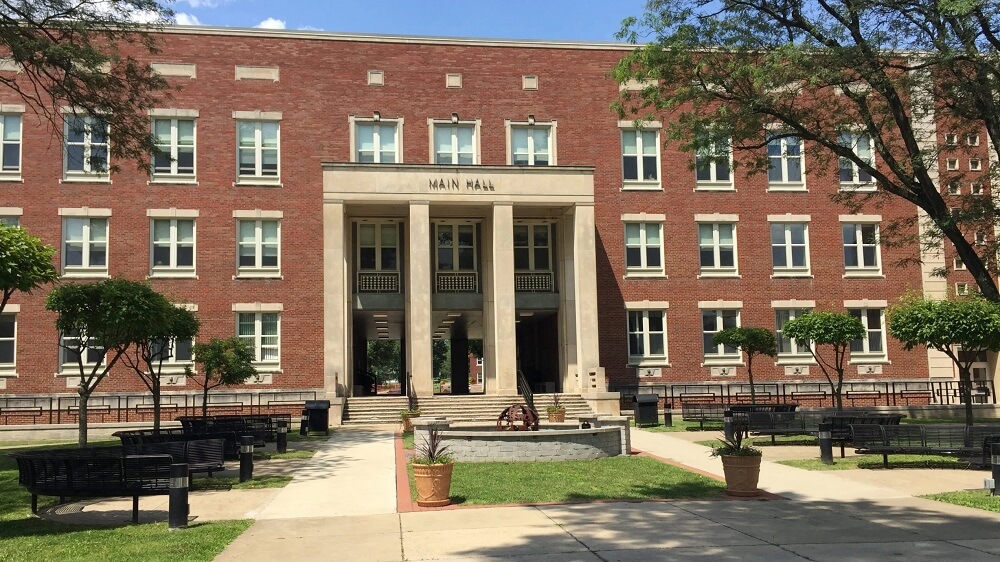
[[342, 505]]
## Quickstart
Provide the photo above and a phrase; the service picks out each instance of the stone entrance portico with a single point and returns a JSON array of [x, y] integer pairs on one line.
[[416, 289]]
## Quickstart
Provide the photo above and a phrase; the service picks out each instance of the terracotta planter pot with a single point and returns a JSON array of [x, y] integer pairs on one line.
[[408, 423], [742, 474], [433, 484], [557, 416]]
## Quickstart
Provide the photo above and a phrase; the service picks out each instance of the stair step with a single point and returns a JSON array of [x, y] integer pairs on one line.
[[385, 409]]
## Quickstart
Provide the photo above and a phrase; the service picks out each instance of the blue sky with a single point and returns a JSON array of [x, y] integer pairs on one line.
[[573, 20]]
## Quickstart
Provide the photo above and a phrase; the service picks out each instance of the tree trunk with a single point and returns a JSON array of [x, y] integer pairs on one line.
[[837, 391], [753, 393], [82, 415], [204, 403], [965, 384], [155, 389]]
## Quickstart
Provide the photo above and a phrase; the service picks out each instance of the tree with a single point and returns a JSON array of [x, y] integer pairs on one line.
[[961, 329], [834, 329], [81, 54], [25, 263], [384, 358], [169, 325], [98, 322], [223, 362], [850, 79], [753, 342]]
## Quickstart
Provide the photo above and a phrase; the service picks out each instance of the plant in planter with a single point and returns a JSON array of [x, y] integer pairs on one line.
[[556, 411], [740, 464], [432, 468], [405, 416]]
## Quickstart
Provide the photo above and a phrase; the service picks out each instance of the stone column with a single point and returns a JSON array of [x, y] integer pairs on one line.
[[568, 361], [585, 279], [336, 302], [498, 300], [418, 299]]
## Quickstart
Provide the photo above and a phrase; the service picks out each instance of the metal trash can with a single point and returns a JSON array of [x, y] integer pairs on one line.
[[668, 414], [644, 406], [319, 415]]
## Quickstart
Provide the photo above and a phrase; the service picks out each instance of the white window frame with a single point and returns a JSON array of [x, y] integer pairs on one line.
[[959, 264], [861, 270], [643, 269], [954, 187], [975, 164], [865, 355], [972, 139], [172, 149], [10, 369], [171, 365], [719, 356], [257, 337], [514, 127], [9, 172], [258, 270], [796, 356], [532, 247], [785, 184], [713, 183], [378, 245], [72, 368], [717, 270], [435, 124], [258, 177], [646, 358], [962, 289], [950, 139], [856, 183], [454, 227], [790, 270], [89, 172], [951, 164], [380, 127], [86, 269], [976, 188], [173, 243], [640, 182]]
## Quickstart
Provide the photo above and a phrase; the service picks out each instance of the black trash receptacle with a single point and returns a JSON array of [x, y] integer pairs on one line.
[[644, 407], [319, 415]]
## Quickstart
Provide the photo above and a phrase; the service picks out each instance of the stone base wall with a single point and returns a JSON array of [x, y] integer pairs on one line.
[[522, 446]]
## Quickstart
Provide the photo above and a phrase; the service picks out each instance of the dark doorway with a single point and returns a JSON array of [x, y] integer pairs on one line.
[[538, 349]]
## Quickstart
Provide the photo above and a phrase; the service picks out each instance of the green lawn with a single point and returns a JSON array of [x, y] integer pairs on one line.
[[233, 483], [979, 499], [408, 440], [270, 455], [875, 462], [565, 481], [680, 425], [25, 537]]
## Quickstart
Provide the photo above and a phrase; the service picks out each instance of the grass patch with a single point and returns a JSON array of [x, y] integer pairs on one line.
[[233, 483], [613, 478], [25, 537], [408, 440], [875, 462], [979, 499], [681, 425], [295, 436], [271, 455]]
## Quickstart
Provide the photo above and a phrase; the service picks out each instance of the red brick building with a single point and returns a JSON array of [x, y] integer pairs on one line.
[[328, 189]]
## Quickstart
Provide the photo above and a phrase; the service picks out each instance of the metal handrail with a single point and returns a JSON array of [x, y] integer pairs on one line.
[[525, 390]]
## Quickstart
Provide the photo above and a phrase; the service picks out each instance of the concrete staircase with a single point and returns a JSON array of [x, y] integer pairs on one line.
[[367, 410]]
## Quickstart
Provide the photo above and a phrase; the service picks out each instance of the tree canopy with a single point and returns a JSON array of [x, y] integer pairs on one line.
[[25, 263], [84, 54], [833, 329], [863, 84], [223, 362], [752, 342]]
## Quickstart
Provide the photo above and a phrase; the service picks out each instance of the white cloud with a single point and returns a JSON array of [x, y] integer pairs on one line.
[[310, 28], [180, 18], [205, 3], [271, 23]]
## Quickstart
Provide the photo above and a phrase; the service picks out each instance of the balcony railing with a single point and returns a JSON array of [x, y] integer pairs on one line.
[[533, 282], [378, 281], [457, 282]]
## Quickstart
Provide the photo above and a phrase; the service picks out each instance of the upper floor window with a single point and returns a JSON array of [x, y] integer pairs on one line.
[[376, 142], [85, 246], [873, 344], [713, 166], [8, 341], [717, 247], [975, 164], [530, 145], [532, 247], [456, 247], [861, 247], [790, 247], [259, 156], [972, 139], [86, 146], [72, 353], [713, 322], [172, 246], [789, 346], [851, 173], [378, 247], [647, 335], [785, 163], [259, 247], [455, 143], [174, 157], [10, 154], [641, 157], [172, 354], [644, 247], [262, 331]]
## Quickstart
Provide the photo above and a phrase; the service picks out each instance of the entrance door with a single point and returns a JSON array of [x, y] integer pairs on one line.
[[538, 350]]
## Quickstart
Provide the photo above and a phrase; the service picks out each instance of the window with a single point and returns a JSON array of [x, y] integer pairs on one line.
[[262, 331], [10, 220], [69, 355], [644, 246], [717, 247], [647, 335], [259, 247], [951, 164], [976, 188], [172, 246], [787, 346], [785, 163], [951, 139], [174, 354], [530, 146], [455, 144], [972, 139], [850, 172], [85, 246], [8, 341], [532, 247], [378, 247], [86, 146], [713, 166], [456, 244], [873, 343], [10, 146], [790, 247], [641, 156], [861, 247], [959, 264], [377, 142], [713, 322], [258, 150], [954, 187], [980, 239], [975, 164], [962, 289], [174, 156]]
